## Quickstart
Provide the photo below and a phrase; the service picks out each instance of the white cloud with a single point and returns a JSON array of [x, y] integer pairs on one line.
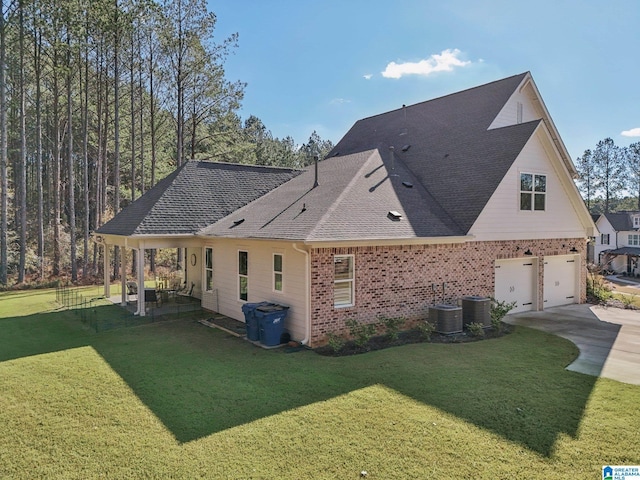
[[443, 62], [367, 76], [634, 132]]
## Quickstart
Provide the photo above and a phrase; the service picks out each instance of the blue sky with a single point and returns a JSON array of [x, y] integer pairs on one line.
[[322, 65]]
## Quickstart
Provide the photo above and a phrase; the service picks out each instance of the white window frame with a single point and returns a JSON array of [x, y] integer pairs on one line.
[[206, 268], [275, 272], [243, 276], [519, 109], [636, 222], [603, 237], [351, 281], [634, 239], [533, 192]]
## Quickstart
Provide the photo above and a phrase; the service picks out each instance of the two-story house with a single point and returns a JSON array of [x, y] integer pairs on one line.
[[617, 247], [467, 194]]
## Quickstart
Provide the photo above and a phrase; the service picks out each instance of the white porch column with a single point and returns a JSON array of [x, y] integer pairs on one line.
[[107, 268], [123, 276], [141, 299]]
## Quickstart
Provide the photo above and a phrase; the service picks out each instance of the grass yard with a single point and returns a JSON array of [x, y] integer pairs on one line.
[[179, 400]]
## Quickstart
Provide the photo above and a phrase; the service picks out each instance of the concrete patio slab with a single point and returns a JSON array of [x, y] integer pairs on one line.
[[608, 338]]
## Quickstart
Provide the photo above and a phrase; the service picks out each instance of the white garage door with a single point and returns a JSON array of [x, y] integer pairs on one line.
[[515, 282], [560, 280]]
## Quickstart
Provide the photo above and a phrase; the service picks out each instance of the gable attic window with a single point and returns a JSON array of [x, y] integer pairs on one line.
[[636, 221], [533, 192], [519, 113], [343, 281], [604, 239]]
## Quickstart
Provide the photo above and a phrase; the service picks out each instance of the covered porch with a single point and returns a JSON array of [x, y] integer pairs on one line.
[[142, 293], [623, 260]]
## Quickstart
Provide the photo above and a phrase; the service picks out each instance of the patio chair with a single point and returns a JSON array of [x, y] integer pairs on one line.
[[184, 292], [132, 288]]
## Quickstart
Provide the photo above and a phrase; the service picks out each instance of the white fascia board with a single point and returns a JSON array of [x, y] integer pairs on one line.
[[566, 179], [555, 135]]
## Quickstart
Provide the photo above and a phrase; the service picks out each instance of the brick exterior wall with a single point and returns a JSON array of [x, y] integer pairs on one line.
[[403, 281]]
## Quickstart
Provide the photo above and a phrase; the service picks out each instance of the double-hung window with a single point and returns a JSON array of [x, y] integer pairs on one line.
[[604, 238], [634, 239], [243, 275], [208, 269], [277, 272], [533, 192], [343, 290]]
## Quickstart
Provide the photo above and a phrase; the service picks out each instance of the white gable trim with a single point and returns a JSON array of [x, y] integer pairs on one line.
[[566, 178], [537, 110]]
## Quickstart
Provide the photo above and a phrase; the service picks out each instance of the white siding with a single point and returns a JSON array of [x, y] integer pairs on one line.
[[604, 227], [502, 218], [509, 114], [224, 299]]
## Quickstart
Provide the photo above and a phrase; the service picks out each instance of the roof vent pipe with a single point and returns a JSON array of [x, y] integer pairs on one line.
[[315, 160]]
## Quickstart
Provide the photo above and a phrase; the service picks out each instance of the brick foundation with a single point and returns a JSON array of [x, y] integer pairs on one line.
[[403, 281]]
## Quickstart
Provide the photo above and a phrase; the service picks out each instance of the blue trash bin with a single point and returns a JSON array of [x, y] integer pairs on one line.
[[271, 323], [250, 319]]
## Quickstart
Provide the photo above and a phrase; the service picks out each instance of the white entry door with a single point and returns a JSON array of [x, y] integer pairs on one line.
[[515, 282], [561, 280]]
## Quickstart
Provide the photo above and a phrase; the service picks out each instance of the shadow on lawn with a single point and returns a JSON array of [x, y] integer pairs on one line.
[[200, 381]]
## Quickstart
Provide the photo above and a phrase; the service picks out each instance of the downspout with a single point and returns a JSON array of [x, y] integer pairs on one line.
[[141, 293], [307, 294]]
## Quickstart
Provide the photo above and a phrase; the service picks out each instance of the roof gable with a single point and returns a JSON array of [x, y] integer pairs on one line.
[[451, 151], [621, 221], [526, 104], [351, 202]]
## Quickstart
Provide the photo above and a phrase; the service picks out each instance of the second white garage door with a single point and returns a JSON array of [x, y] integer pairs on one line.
[[515, 281], [560, 280]]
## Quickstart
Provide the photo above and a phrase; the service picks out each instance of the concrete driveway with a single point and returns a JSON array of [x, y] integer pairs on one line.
[[608, 338]]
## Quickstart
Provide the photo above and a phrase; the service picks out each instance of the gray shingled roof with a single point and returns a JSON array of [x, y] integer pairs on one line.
[[452, 153], [194, 196], [620, 221], [352, 201], [454, 164]]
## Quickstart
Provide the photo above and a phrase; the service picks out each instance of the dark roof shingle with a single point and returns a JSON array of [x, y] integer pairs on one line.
[[195, 195]]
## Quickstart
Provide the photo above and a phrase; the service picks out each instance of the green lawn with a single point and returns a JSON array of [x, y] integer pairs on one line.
[[179, 400]]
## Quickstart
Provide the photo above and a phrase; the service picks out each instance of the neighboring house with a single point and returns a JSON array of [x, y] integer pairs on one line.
[[467, 194], [617, 247]]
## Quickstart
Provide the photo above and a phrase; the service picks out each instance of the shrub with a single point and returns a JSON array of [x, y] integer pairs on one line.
[[627, 301], [499, 310], [476, 329], [392, 326], [336, 342], [597, 290], [426, 330], [361, 332]]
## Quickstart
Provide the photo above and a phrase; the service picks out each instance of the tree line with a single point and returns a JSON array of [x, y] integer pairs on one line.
[[99, 100], [609, 177]]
